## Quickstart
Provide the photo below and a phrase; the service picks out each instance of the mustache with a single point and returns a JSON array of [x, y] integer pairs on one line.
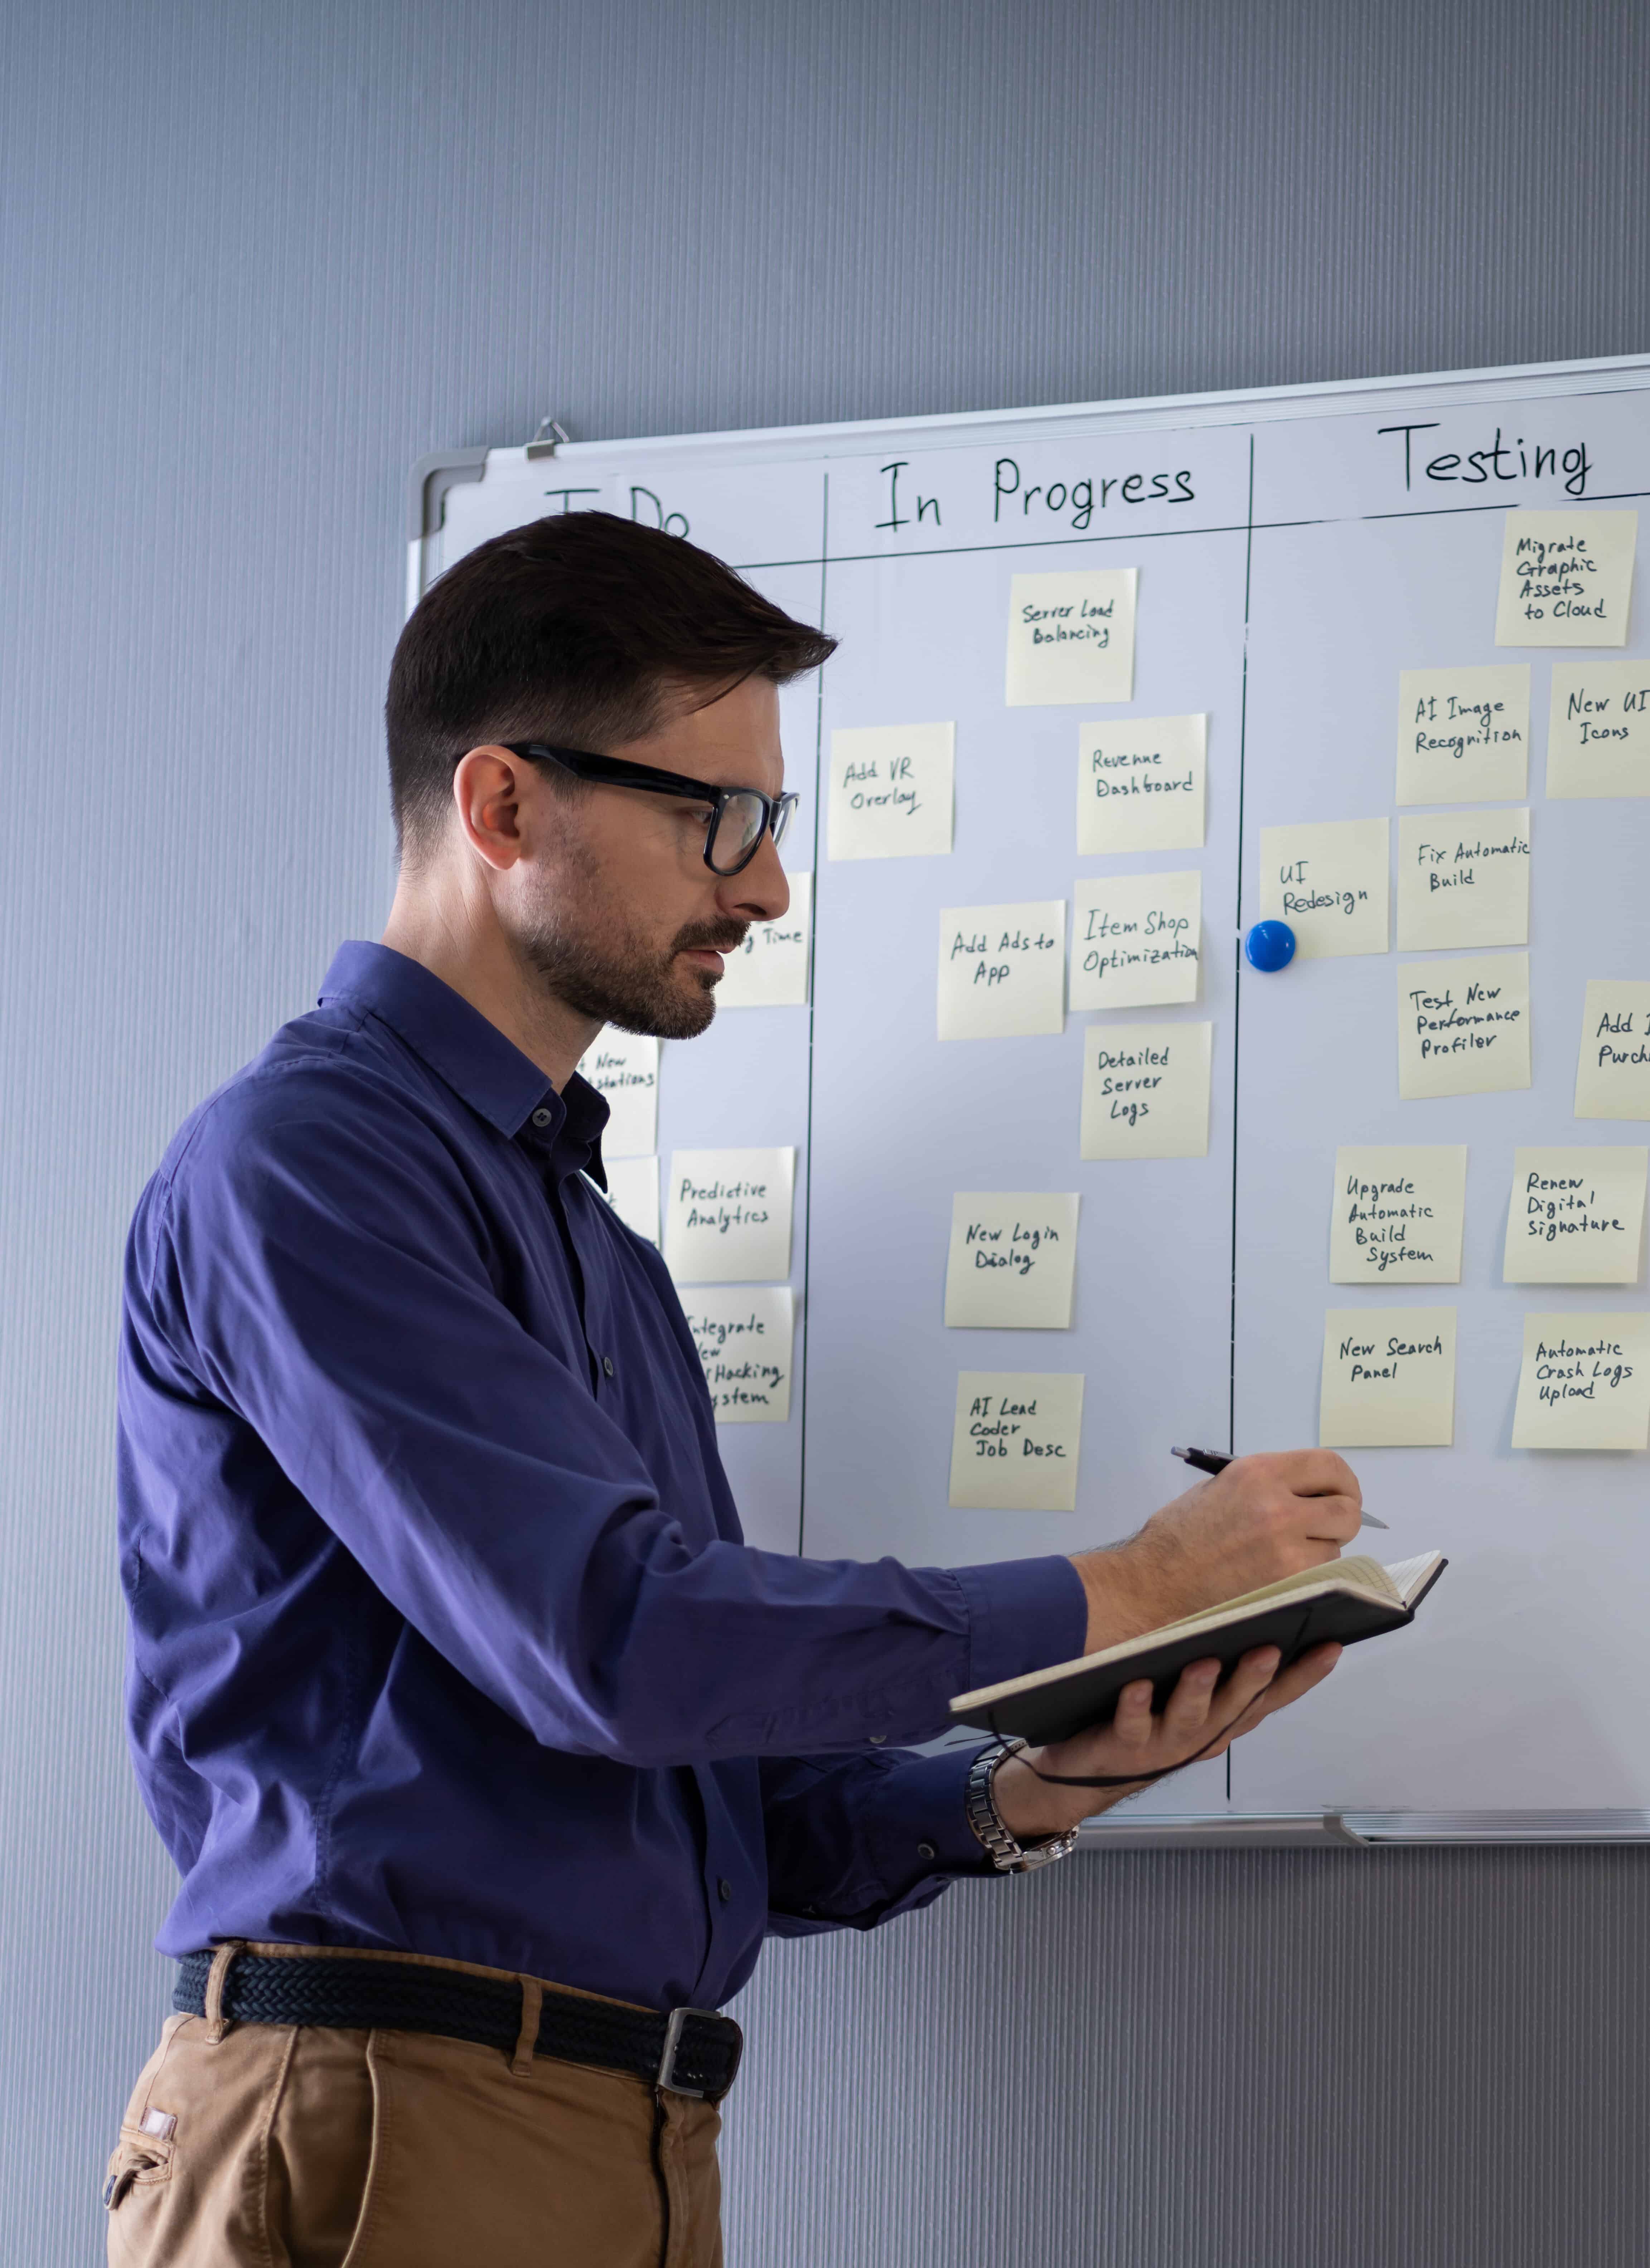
[[709, 937]]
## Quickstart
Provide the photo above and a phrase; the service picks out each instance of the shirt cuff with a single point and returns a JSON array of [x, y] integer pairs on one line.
[[1023, 1615]]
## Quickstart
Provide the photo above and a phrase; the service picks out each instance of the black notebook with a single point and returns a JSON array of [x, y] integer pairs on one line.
[[1345, 1601]]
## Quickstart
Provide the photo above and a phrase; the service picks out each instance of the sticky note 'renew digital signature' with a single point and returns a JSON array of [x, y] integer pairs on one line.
[[1464, 1025], [1141, 785], [1136, 939], [1002, 970], [1463, 734], [1463, 880], [892, 792], [1398, 1213], [1389, 1378], [729, 1216], [1330, 883], [1070, 636], [1015, 1440], [1567, 578], [1612, 1076], [744, 1338], [1012, 1261], [1585, 1383], [1576, 1216]]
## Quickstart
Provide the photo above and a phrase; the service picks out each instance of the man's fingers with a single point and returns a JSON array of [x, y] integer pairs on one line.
[[1320, 1472], [1187, 1709], [1335, 1519], [1242, 1688], [1299, 1678], [1252, 1676], [1132, 1723]]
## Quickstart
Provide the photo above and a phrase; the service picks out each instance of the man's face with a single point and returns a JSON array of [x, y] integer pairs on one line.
[[617, 912]]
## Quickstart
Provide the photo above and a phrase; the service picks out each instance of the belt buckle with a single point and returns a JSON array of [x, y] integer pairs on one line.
[[675, 2024]]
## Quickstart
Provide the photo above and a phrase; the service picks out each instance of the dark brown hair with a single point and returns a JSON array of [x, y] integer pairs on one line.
[[575, 629]]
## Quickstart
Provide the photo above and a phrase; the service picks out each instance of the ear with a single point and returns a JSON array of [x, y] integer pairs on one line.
[[490, 788]]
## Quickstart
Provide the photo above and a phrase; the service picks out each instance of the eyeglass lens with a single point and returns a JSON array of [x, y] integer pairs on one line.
[[738, 830]]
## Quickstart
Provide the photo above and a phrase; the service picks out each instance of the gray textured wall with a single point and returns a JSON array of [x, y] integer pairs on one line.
[[256, 259]]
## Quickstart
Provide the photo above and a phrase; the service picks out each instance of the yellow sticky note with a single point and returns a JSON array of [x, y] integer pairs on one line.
[[1140, 783], [769, 971], [1567, 578], [1070, 636], [729, 1217], [1146, 1090], [1330, 883], [1012, 1261], [1598, 729], [744, 1339], [1398, 1213], [633, 1193], [1463, 880], [1612, 1076], [891, 792], [1463, 734], [1585, 1383], [1015, 1445], [1576, 1216], [1464, 1025], [1136, 939], [1002, 970], [623, 1069], [1389, 1378]]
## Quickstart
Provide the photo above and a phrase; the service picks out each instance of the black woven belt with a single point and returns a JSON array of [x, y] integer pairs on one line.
[[690, 2051]]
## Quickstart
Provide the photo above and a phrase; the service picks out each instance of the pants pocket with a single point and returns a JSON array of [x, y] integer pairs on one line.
[[138, 2160]]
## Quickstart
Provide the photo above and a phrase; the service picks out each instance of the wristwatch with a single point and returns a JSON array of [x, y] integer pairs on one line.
[[1006, 1855]]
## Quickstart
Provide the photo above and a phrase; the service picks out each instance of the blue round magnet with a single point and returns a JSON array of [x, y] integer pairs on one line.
[[1271, 946]]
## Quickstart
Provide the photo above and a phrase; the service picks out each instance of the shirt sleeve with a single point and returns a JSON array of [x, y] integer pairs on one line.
[[855, 1841], [327, 1275]]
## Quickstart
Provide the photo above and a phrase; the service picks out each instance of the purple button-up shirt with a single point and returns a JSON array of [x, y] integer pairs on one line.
[[443, 1638]]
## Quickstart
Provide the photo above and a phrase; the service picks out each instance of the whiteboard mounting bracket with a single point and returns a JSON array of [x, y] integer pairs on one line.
[[551, 435]]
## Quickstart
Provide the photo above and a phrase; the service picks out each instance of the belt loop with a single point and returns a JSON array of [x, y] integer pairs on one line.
[[532, 2007], [218, 1976]]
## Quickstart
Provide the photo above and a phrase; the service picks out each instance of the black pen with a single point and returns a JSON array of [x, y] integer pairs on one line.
[[1211, 1461]]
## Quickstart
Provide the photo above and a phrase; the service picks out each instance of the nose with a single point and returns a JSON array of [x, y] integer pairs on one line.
[[760, 892]]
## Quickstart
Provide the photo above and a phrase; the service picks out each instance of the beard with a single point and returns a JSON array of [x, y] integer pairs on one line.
[[618, 975]]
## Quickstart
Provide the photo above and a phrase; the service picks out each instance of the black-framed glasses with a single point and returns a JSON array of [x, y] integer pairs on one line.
[[739, 816]]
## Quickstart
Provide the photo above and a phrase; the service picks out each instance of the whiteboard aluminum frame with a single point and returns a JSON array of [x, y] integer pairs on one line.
[[433, 475], [1362, 1830]]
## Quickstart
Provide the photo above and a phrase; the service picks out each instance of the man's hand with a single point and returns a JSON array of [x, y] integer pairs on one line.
[[1260, 1520], [1198, 1722]]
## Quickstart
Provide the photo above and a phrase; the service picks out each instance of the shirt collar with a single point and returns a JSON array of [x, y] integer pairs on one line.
[[483, 1067]]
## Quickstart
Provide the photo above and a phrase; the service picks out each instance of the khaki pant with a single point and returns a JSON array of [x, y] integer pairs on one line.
[[295, 2147]]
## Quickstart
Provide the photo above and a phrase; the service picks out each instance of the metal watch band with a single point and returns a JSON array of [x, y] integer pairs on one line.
[[1008, 1856]]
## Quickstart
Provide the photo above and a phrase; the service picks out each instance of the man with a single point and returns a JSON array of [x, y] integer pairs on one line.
[[485, 1747]]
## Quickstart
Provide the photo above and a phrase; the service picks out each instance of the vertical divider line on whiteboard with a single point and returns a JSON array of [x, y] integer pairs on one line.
[[813, 986], [1237, 984]]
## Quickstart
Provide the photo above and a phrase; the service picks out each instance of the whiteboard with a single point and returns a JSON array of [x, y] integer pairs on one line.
[[1294, 554]]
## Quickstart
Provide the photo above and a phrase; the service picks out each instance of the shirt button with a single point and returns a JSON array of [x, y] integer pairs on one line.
[[606, 1364], [725, 1889], [925, 1850], [540, 1118]]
